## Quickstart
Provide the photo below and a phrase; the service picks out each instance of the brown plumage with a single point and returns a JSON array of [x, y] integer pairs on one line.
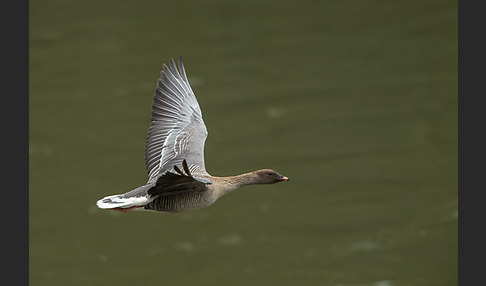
[[175, 140]]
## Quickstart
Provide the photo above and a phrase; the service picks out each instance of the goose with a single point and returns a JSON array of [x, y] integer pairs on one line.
[[174, 155]]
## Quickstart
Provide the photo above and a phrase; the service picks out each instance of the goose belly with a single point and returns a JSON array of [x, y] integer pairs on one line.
[[181, 202]]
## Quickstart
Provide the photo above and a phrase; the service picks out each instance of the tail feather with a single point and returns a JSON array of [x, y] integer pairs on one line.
[[135, 198], [117, 201]]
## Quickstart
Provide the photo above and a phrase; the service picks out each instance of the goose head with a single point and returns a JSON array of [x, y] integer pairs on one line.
[[269, 176]]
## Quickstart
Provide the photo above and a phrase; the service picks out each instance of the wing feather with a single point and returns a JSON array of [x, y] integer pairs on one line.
[[177, 130]]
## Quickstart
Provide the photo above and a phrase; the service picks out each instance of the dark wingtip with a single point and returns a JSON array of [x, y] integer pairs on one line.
[[178, 170], [186, 168]]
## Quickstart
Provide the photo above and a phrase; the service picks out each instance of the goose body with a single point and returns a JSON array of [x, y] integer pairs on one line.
[[174, 155]]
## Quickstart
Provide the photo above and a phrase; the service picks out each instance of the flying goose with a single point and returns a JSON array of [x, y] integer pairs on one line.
[[174, 155]]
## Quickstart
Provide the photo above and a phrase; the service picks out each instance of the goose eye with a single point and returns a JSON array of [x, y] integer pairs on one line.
[[270, 173]]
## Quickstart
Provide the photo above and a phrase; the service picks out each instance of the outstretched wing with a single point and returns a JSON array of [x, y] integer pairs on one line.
[[177, 130]]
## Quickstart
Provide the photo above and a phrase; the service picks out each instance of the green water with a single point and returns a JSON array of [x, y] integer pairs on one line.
[[355, 101]]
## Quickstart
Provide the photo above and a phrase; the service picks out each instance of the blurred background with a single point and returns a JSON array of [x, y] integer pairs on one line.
[[355, 101]]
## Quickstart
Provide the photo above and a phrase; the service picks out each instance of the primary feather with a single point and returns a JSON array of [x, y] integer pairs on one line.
[[177, 130]]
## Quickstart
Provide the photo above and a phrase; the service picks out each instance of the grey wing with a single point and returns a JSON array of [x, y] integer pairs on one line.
[[177, 130]]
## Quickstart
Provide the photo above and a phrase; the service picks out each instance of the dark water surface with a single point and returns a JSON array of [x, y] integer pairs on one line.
[[355, 101]]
